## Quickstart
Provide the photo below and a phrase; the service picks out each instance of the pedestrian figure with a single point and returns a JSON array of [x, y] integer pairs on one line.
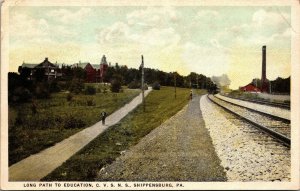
[[103, 116], [191, 95]]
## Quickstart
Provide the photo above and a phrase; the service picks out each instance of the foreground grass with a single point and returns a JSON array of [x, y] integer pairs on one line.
[[83, 166], [56, 119]]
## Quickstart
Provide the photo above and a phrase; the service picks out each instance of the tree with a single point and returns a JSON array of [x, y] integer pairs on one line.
[[116, 83]]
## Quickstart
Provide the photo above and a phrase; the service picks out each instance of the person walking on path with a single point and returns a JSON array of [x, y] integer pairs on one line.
[[191, 95], [103, 116]]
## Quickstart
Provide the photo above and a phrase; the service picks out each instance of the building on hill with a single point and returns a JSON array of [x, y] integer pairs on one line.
[[94, 72], [50, 70], [250, 88]]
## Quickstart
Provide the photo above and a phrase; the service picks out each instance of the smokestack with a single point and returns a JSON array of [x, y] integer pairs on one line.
[[263, 74], [264, 85]]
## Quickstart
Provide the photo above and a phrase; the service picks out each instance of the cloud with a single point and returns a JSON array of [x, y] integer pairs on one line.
[[207, 14], [21, 25], [153, 16], [264, 28], [149, 27], [26, 29], [70, 17], [116, 33], [205, 60], [262, 18]]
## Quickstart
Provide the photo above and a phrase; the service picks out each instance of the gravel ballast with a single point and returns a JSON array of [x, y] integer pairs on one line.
[[276, 111], [178, 150], [246, 154]]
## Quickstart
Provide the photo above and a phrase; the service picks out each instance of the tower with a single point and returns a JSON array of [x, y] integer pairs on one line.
[[103, 67], [264, 82]]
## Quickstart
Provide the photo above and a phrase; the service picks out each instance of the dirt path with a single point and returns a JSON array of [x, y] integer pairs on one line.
[[41, 164], [178, 150]]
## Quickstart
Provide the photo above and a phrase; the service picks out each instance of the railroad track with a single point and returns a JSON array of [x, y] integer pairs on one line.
[[281, 105], [278, 128]]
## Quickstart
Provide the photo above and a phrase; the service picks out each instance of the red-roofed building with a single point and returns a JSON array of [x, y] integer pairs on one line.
[[250, 88]]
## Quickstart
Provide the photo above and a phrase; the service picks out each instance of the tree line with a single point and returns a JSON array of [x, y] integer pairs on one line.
[[279, 85], [21, 88]]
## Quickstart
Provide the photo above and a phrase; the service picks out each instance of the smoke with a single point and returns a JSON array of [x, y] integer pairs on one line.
[[222, 80]]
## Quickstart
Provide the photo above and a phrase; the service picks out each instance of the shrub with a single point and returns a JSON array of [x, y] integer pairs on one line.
[[115, 85], [71, 122], [20, 94], [63, 85], [145, 86], [42, 91], [54, 87], [105, 90], [76, 86], [90, 102], [69, 97], [90, 90], [156, 86], [134, 85]]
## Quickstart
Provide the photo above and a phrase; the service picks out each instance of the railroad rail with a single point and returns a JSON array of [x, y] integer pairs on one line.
[[261, 112], [278, 128], [281, 105]]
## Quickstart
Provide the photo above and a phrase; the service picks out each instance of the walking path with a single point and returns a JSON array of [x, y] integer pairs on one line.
[[178, 150], [37, 166], [284, 113]]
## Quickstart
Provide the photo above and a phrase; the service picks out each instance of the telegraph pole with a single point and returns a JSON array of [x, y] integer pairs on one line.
[[143, 98], [197, 81], [175, 84]]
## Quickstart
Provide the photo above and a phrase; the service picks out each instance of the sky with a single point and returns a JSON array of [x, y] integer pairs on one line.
[[208, 40]]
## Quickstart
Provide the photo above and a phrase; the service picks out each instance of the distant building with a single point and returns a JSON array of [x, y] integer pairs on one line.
[[94, 72], [250, 88], [103, 67], [50, 70]]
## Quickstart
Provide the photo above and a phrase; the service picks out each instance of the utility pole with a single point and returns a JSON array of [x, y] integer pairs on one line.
[[175, 84], [143, 98], [197, 81]]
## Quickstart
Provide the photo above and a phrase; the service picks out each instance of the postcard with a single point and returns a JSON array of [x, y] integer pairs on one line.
[[150, 95]]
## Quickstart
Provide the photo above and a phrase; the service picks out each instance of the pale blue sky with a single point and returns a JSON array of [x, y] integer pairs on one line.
[[208, 40]]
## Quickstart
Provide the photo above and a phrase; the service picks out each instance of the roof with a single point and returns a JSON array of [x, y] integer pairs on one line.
[[250, 87], [80, 64], [96, 66], [25, 65], [46, 64]]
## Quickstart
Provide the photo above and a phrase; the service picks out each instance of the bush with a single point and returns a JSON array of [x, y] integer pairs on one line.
[[76, 86], [90, 102], [42, 91], [71, 122], [54, 87], [90, 90], [105, 90], [20, 94], [69, 97], [63, 85], [156, 86], [134, 85], [116, 83], [145, 86]]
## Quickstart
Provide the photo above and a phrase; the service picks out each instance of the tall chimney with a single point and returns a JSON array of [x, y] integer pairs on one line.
[[264, 85]]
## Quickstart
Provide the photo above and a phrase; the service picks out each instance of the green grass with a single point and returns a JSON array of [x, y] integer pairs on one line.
[[57, 119], [160, 106]]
